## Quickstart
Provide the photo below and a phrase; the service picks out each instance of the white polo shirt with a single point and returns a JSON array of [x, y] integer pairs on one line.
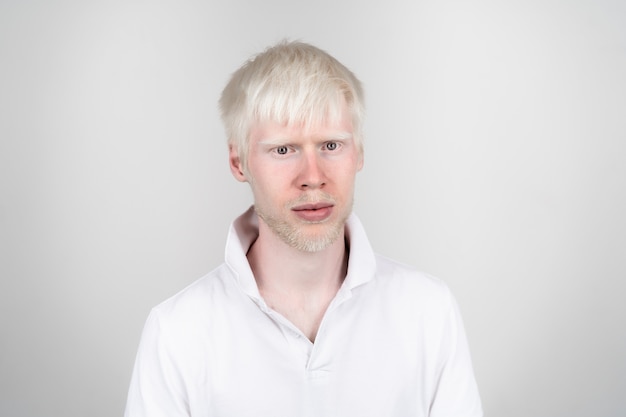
[[390, 344]]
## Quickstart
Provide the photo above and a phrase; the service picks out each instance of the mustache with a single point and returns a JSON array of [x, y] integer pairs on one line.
[[312, 198]]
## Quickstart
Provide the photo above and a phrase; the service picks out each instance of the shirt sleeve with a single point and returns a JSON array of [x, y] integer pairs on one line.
[[457, 393], [156, 388]]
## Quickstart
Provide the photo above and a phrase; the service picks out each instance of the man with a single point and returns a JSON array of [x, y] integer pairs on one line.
[[302, 319]]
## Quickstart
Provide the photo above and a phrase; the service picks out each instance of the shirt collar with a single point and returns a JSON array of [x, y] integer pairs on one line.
[[242, 234], [245, 230]]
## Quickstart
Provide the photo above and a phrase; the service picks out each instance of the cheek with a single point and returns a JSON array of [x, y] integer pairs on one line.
[[269, 186], [261, 173], [346, 173]]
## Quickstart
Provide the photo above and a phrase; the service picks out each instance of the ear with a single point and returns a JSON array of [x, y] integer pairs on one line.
[[360, 161], [236, 166]]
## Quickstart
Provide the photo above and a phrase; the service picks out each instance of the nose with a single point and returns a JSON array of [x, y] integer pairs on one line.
[[312, 173]]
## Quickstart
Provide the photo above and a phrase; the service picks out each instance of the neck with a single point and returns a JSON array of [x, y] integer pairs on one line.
[[299, 285]]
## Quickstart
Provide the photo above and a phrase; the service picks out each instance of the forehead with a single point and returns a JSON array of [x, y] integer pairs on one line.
[[278, 132], [332, 125]]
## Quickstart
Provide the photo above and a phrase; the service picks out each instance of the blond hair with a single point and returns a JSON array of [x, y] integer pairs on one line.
[[289, 83]]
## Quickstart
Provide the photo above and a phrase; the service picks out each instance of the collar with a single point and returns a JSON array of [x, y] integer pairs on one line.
[[245, 230]]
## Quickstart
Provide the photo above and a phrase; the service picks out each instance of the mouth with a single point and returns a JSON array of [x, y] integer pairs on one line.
[[312, 206], [313, 212]]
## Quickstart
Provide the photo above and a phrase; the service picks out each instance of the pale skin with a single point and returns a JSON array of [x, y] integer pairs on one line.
[[302, 179]]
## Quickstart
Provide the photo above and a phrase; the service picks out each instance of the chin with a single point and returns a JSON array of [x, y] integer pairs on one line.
[[313, 242], [305, 237]]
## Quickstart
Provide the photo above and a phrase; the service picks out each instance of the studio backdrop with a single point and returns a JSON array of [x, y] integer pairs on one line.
[[494, 159]]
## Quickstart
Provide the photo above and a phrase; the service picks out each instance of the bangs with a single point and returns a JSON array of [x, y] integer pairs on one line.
[[310, 102], [293, 84]]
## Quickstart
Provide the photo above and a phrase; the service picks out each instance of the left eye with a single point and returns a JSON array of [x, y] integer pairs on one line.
[[282, 150], [331, 146]]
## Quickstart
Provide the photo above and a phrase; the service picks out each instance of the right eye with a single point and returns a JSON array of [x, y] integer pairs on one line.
[[282, 150]]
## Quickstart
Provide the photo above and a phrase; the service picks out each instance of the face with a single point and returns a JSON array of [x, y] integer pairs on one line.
[[302, 179]]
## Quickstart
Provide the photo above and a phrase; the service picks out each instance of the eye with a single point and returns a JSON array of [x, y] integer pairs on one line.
[[282, 150], [331, 146]]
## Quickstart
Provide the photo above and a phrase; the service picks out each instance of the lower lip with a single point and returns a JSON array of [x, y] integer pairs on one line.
[[314, 215]]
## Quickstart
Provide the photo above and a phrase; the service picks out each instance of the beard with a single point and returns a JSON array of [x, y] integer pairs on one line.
[[295, 232]]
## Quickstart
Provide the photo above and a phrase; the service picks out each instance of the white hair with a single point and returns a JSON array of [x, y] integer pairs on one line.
[[289, 83]]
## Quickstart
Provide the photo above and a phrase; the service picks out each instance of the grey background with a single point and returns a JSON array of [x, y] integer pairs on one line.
[[496, 137]]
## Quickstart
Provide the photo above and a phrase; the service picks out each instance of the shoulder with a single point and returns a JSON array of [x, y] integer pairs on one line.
[[185, 324], [196, 301], [402, 283], [394, 273]]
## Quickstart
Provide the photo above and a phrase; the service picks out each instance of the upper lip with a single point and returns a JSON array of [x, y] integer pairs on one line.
[[312, 206]]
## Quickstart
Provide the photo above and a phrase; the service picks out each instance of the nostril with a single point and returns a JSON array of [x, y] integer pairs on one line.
[[313, 185]]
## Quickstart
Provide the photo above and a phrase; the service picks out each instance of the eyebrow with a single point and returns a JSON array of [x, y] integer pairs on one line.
[[278, 140], [340, 136]]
